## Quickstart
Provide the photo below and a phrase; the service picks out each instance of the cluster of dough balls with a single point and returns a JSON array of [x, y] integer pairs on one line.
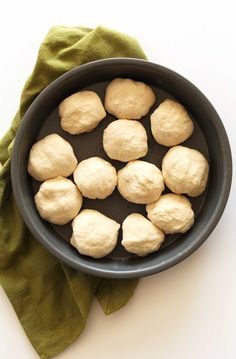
[[58, 199], [126, 139], [184, 170]]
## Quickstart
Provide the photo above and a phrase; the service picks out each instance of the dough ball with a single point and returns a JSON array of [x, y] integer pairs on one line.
[[94, 234], [140, 182], [171, 213], [140, 236], [58, 200], [171, 124], [81, 112], [126, 98], [51, 157], [95, 178], [125, 140], [185, 171]]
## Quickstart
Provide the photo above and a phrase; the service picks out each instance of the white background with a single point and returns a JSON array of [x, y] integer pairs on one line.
[[188, 311]]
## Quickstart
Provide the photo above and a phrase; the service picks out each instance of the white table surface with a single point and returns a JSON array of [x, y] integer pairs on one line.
[[188, 311]]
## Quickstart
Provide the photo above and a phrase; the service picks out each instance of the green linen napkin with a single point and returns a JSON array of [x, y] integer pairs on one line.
[[51, 300]]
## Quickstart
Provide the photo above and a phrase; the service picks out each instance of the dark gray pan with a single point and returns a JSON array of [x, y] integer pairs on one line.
[[209, 137]]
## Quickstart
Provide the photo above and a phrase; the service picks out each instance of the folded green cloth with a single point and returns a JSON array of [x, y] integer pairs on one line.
[[51, 300]]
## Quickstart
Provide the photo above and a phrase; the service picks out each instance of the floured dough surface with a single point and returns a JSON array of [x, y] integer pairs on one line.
[[125, 140], [140, 236], [140, 182], [95, 178], [94, 234], [129, 99], [58, 200], [51, 157], [171, 124], [185, 170], [172, 213], [81, 112]]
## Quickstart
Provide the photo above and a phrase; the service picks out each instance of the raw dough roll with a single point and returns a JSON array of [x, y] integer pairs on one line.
[[126, 98]]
